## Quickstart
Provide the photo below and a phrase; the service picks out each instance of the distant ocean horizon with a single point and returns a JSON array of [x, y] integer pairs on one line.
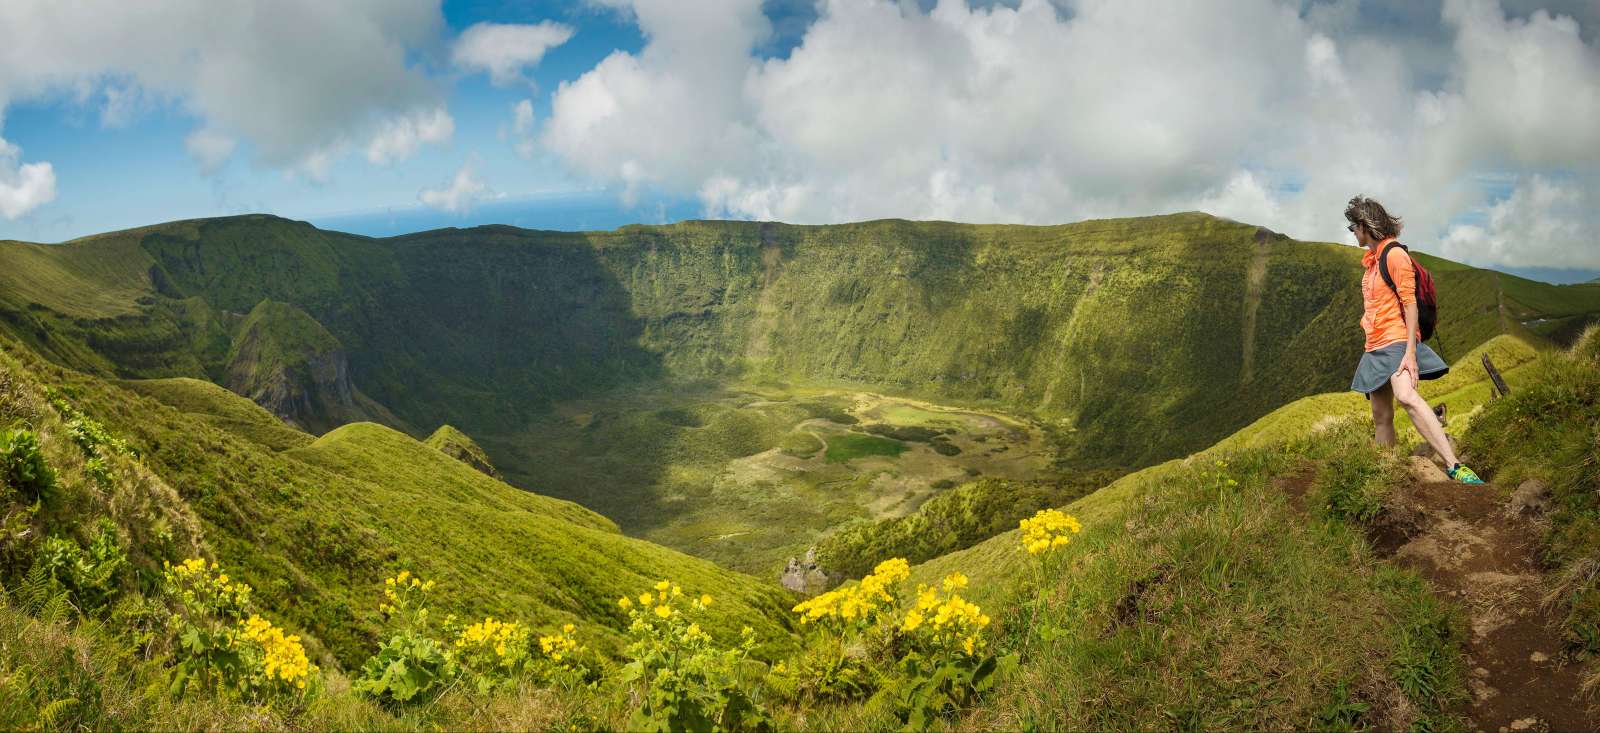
[[574, 211]]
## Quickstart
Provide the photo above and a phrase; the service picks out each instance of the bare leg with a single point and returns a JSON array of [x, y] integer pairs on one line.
[[1383, 415], [1422, 417]]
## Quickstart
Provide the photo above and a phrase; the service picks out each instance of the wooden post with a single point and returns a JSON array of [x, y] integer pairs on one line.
[[1500, 387]]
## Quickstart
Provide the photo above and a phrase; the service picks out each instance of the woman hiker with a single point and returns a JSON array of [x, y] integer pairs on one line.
[[1394, 360]]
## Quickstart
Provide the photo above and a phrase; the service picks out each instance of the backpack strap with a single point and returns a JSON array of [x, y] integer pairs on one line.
[[1383, 269]]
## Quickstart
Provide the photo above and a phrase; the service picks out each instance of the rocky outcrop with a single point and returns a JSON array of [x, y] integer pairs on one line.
[[806, 576], [285, 361], [462, 447]]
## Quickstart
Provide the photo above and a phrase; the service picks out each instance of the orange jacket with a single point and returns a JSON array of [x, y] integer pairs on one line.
[[1381, 314]]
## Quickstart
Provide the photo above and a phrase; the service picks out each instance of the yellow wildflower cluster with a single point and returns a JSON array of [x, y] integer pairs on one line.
[[206, 588], [660, 602], [502, 637], [559, 645], [944, 617], [859, 602], [283, 657], [403, 591], [1047, 530]]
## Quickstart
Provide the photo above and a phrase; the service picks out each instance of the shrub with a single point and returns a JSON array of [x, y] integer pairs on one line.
[[89, 574], [411, 665], [93, 439], [948, 664], [688, 682], [935, 655], [24, 468], [222, 645]]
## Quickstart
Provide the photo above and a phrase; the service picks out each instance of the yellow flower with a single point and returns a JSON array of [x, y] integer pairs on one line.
[[705, 600], [663, 585], [966, 645], [1047, 529], [663, 610], [644, 599], [625, 602], [913, 620], [568, 628]]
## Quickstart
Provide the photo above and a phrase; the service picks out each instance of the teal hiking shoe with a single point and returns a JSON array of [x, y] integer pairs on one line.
[[1461, 473]]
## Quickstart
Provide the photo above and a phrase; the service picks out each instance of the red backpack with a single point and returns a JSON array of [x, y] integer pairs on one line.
[[1427, 297]]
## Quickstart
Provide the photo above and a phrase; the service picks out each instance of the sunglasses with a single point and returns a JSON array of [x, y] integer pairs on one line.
[[1352, 228]]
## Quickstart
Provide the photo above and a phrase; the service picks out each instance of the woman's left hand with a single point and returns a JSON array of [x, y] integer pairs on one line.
[[1408, 365]]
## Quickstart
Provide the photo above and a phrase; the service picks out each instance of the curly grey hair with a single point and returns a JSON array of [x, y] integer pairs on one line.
[[1370, 214]]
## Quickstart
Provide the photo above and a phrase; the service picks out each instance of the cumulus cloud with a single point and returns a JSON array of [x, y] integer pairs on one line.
[[209, 148], [303, 81], [1543, 223], [400, 138], [522, 139], [1259, 110], [458, 196], [23, 186], [504, 50]]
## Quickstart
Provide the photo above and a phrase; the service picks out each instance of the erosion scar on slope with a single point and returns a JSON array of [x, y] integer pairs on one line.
[[1255, 279], [757, 349]]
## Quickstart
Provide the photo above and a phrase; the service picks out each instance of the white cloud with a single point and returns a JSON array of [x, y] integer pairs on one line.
[[302, 81], [398, 139], [505, 50], [459, 196], [1543, 223], [1250, 109], [23, 186], [522, 139], [209, 148]]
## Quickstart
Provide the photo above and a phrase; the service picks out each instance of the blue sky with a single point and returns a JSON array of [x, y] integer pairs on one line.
[[1473, 118]]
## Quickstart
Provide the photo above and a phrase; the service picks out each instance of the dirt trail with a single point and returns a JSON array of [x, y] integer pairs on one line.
[[1477, 552], [1482, 556]]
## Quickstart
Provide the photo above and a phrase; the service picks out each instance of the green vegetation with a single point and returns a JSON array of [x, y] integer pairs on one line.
[[951, 521], [221, 409], [313, 528], [800, 444], [846, 447]]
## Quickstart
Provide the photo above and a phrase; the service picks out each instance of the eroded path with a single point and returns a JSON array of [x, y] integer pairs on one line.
[[1481, 553]]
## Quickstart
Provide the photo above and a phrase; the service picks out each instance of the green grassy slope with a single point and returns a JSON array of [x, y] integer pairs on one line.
[[1187, 598], [316, 527], [226, 410]]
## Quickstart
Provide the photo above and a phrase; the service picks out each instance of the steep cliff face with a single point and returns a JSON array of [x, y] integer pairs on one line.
[[286, 362]]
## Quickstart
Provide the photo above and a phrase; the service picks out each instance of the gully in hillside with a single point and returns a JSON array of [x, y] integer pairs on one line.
[[1398, 314]]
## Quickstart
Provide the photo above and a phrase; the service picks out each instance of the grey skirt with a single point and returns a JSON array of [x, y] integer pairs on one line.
[[1378, 366]]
